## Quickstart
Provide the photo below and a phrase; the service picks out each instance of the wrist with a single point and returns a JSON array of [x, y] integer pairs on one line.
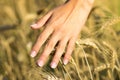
[[85, 2]]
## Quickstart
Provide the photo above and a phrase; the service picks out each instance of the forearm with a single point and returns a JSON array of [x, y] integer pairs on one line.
[[84, 3], [80, 5], [79, 1]]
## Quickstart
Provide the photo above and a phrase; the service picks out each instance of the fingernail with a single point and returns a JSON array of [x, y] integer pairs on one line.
[[33, 54], [34, 25], [40, 63], [65, 61], [53, 65]]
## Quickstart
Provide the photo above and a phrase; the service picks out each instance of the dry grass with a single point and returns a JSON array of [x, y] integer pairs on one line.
[[96, 55]]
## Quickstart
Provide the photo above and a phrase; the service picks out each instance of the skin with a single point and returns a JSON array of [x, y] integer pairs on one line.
[[63, 25]]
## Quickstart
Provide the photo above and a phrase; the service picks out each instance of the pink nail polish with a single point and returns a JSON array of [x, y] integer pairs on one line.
[[65, 61], [33, 54], [53, 65], [34, 25], [40, 63]]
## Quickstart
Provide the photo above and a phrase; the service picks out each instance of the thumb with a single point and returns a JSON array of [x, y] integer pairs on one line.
[[42, 21]]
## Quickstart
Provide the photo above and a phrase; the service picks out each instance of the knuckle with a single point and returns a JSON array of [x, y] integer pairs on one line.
[[57, 56], [59, 30], [60, 47], [35, 48], [67, 56], [56, 59], [40, 38], [43, 56], [69, 51], [50, 44]]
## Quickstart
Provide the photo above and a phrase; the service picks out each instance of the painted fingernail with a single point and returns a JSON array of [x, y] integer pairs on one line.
[[65, 61], [40, 63], [33, 54], [53, 65], [34, 25]]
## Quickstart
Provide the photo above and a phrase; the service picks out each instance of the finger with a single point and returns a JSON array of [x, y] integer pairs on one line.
[[48, 49], [60, 49], [42, 21], [69, 50], [40, 41]]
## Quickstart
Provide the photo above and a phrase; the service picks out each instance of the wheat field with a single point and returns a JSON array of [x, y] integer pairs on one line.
[[96, 55]]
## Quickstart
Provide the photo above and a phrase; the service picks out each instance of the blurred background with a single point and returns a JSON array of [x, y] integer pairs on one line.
[[96, 55]]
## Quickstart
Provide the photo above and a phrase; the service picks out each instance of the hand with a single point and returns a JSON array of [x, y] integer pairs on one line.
[[63, 25]]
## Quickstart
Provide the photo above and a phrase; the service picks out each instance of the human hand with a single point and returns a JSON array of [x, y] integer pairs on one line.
[[63, 25]]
